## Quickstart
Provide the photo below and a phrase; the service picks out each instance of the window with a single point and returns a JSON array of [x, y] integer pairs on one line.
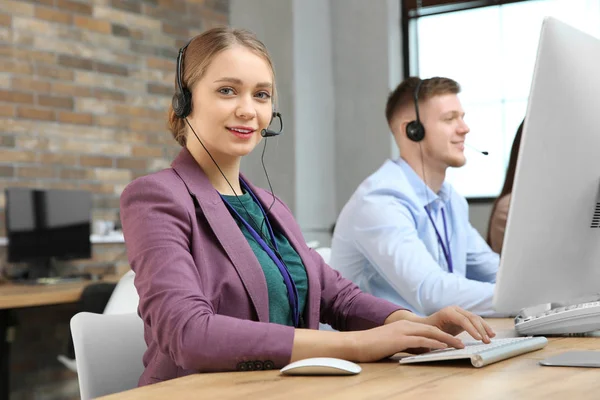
[[491, 52]]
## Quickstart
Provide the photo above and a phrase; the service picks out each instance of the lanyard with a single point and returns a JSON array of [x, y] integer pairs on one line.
[[275, 256], [446, 247]]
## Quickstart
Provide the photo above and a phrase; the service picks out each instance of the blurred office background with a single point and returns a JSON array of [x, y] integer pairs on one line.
[[85, 86]]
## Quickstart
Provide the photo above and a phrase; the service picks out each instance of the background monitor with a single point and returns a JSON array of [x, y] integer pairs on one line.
[[551, 251], [46, 224]]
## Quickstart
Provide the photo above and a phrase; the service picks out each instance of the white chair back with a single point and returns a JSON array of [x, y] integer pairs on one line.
[[108, 351], [124, 298]]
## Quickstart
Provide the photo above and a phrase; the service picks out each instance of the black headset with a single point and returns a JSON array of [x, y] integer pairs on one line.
[[182, 99], [415, 129]]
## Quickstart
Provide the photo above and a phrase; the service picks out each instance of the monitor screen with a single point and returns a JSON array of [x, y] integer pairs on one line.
[[44, 224], [551, 250]]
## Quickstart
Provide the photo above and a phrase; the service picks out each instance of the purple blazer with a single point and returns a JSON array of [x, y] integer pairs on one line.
[[203, 294]]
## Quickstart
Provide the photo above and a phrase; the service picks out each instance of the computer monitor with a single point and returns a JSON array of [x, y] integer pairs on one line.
[[43, 225], [551, 250]]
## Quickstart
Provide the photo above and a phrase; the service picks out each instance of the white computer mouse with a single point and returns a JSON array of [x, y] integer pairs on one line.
[[321, 366]]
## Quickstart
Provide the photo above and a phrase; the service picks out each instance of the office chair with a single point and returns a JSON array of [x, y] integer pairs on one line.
[[124, 299], [108, 351]]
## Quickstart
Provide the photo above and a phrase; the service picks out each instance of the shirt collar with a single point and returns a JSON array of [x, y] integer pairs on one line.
[[425, 195]]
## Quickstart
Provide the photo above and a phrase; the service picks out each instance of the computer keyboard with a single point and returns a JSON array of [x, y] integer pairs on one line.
[[482, 354], [573, 320]]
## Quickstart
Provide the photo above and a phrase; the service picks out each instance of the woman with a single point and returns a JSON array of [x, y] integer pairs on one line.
[[222, 287], [497, 224]]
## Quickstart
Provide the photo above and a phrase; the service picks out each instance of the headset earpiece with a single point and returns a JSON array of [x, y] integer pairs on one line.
[[415, 130], [182, 103], [182, 99]]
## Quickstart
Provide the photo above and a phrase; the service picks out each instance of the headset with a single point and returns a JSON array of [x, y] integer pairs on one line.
[[415, 129], [182, 99]]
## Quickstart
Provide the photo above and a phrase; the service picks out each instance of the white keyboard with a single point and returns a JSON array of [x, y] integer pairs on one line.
[[571, 320], [482, 354]]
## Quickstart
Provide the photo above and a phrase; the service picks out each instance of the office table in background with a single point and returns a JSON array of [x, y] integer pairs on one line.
[[13, 296]]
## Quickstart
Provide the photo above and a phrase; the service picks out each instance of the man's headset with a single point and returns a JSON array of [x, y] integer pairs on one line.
[[415, 129], [182, 99]]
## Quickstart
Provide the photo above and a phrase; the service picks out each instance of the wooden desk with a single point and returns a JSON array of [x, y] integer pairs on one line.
[[21, 295], [516, 378], [14, 296]]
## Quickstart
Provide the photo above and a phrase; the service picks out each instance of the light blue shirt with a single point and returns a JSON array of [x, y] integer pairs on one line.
[[385, 242]]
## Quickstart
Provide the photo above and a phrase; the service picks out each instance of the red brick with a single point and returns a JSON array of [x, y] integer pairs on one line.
[[155, 88], [146, 151], [55, 72], [111, 121], [98, 187], [92, 24], [53, 15], [56, 102], [75, 62], [58, 159], [16, 97], [7, 141], [107, 94], [95, 161], [15, 67], [29, 84], [76, 173], [27, 55], [35, 172], [75, 118], [74, 6], [5, 20], [7, 110], [132, 163], [113, 69], [175, 30], [71, 90], [42, 114], [7, 171], [133, 6], [160, 63]]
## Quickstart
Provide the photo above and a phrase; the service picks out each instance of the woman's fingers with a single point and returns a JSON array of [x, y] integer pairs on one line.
[[420, 342], [476, 325], [431, 332]]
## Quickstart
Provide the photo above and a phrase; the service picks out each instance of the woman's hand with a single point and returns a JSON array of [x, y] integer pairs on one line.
[[454, 320], [395, 337]]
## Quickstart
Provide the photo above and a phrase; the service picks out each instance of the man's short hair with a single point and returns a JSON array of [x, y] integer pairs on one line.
[[403, 95]]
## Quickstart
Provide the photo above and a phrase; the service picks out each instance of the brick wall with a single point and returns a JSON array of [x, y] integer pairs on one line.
[[84, 89]]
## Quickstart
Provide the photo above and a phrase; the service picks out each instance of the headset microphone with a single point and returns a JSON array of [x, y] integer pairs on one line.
[[269, 133], [485, 153]]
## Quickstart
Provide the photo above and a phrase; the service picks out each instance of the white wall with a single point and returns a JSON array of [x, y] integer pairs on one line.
[[367, 65], [336, 61]]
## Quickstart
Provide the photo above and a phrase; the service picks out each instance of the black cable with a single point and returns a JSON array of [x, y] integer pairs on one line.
[[262, 161], [232, 189]]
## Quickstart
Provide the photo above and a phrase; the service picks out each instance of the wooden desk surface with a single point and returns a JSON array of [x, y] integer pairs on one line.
[[516, 378], [13, 295]]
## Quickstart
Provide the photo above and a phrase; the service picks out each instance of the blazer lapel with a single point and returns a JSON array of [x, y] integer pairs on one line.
[[280, 218], [226, 230]]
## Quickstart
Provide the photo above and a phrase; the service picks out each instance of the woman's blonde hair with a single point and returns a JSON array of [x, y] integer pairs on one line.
[[198, 56]]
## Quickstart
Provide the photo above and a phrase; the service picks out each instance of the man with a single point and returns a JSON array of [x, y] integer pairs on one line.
[[405, 234]]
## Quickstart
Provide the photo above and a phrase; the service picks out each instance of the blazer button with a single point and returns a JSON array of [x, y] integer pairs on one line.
[[241, 366], [268, 365], [250, 366], [258, 365]]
